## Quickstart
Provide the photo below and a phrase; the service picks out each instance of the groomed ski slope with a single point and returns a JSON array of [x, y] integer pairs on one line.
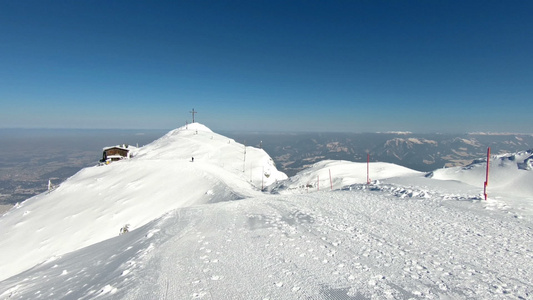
[[405, 236], [367, 243]]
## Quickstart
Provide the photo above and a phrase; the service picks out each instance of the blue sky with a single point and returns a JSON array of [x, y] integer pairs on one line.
[[359, 66]]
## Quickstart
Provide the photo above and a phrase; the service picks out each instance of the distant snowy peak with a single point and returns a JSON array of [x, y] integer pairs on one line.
[[466, 142], [410, 141], [404, 148], [397, 132], [523, 159], [499, 133]]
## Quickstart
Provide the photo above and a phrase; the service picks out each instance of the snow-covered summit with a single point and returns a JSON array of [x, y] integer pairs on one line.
[[191, 126], [94, 204]]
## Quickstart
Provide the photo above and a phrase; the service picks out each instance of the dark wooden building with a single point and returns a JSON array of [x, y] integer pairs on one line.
[[115, 153]]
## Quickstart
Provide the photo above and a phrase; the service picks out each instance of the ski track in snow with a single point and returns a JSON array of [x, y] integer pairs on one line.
[[342, 245], [365, 243]]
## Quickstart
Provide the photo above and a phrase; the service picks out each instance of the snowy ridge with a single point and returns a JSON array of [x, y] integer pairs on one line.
[[159, 178], [343, 173]]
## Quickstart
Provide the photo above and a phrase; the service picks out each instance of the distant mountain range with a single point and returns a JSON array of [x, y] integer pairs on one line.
[[423, 152]]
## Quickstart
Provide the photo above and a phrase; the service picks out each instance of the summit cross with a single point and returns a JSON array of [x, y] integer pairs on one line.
[[193, 112]]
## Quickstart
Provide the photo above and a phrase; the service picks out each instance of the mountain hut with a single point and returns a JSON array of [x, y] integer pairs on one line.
[[115, 153]]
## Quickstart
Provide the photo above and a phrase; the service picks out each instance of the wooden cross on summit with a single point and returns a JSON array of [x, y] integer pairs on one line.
[[193, 112]]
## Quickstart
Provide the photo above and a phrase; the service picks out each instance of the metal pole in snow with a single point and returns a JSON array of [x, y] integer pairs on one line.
[[330, 182], [368, 168], [487, 174]]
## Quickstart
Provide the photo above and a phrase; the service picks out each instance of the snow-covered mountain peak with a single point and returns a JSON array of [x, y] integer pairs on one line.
[[188, 166], [190, 127]]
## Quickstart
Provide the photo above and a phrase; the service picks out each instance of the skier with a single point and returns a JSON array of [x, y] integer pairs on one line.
[[192, 160]]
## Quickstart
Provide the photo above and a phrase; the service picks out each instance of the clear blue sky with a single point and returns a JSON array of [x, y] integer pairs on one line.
[[361, 66]]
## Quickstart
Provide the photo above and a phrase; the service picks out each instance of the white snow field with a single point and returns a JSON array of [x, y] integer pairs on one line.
[[205, 230]]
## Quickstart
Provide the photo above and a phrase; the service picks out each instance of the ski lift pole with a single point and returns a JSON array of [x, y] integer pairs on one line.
[[487, 175], [330, 181], [368, 168], [244, 161]]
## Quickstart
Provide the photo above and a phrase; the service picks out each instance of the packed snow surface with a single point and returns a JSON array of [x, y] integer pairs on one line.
[[203, 229]]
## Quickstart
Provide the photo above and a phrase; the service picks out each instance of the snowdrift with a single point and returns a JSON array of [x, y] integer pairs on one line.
[[94, 204], [510, 174], [337, 174]]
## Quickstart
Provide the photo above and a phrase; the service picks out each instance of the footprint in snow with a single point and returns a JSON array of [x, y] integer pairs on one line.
[[199, 295], [295, 288]]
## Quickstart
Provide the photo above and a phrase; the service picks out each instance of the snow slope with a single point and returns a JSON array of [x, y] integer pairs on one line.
[[95, 203], [359, 244], [404, 236], [509, 173], [337, 174]]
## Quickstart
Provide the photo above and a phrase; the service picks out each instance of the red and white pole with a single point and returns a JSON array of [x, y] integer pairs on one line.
[[487, 174]]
